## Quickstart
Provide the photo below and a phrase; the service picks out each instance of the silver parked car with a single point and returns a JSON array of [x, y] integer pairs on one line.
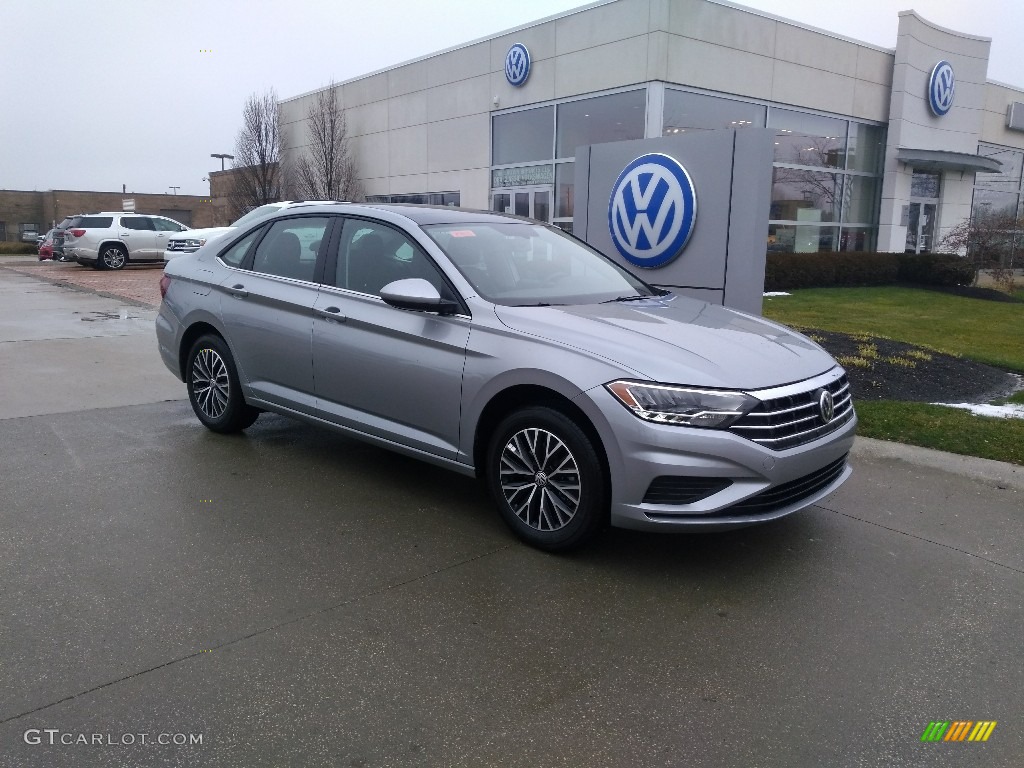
[[504, 348], [112, 239]]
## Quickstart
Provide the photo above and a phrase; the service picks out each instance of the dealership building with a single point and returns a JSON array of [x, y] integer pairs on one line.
[[872, 148]]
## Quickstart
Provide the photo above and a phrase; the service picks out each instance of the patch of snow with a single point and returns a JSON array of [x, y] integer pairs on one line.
[[777, 293], [1008, 411]]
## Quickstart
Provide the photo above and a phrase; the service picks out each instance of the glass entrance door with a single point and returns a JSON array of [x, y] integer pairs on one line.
[[531, 202], [921, 227]]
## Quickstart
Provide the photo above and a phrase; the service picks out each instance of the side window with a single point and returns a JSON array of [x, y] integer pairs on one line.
[[290, 248], [236, 253], [166, 225], [137, 222], [371, 255]]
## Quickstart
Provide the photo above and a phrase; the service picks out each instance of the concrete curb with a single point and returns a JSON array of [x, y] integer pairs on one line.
[[990, 472]]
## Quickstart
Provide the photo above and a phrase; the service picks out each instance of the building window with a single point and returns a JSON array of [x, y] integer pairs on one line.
[[694, 111], [451, 199], [808, 140], [615, 117], [998, 206], [827, 171], [999, 194], [522, 137]]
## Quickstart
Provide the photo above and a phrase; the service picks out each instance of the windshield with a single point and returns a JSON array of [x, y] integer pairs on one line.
[[258, 213], [521, 264]]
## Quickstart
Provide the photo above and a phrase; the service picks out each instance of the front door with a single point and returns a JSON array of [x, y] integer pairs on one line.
[[392, 373], [921, 227], [531, 202]]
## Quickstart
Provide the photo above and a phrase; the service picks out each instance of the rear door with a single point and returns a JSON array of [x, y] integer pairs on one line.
[[391, 373], [139, 234], [267, 308]]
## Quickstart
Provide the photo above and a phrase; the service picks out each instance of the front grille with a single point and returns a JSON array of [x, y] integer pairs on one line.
[[175, 245], [788, 493], [786, 422], [668, 489]]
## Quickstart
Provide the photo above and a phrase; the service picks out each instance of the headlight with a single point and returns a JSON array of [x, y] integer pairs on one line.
[[195, 242], [682, 406]]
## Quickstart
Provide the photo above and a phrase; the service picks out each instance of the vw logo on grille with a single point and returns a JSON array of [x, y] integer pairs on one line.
[[517, 64], [652, 210], [941, 85], [826, 406]]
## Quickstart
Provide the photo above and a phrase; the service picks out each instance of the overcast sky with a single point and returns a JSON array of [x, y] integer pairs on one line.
[[101, 93]]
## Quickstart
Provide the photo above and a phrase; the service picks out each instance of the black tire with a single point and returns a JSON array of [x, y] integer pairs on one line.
[[213, 387], [529, 450], [112, 256]]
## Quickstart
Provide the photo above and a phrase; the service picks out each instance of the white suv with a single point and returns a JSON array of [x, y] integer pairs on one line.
[[112, 239], [192, 240]]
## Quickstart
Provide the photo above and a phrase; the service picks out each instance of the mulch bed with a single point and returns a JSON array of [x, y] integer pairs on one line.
[[940, 379]]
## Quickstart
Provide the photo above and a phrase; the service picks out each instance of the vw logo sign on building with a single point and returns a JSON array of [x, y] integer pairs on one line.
[[517, 64], [941, 85], [652, 210]]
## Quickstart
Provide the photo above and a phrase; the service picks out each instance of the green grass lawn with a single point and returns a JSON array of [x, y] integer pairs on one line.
[[944, 429], [987, 331]]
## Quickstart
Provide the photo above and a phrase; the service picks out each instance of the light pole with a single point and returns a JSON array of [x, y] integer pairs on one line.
[[222, 158], [175, 189]]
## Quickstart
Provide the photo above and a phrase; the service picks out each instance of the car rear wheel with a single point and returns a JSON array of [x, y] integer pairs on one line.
[[213, 387], [113, 257], [546, 478]]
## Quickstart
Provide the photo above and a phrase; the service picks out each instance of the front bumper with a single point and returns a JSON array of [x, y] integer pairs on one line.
[[745, 482]]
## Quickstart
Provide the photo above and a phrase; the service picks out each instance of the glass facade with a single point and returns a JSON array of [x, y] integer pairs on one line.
[[999, 194], [532, 150], [615, 117], [522, 137], [826, 174], [697, 112], [826, 171], [424, 198]]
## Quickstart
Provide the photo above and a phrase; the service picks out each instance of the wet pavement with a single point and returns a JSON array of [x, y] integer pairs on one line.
[[293, 597]]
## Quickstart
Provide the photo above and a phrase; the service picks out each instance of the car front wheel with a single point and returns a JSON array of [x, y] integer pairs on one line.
[[213, 387], [546, 478]]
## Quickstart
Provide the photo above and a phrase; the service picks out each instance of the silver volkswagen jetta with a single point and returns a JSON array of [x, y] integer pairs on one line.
[[506, 349]]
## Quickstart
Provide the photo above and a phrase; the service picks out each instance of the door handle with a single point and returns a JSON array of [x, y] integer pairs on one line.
[[332, 313], [238, 291]]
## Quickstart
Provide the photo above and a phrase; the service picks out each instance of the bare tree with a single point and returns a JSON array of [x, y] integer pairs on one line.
[[256, 178], [992, 241], [326, 170]]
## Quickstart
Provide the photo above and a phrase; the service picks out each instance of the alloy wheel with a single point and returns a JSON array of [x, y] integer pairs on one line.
[[210, 383], [540, 479]]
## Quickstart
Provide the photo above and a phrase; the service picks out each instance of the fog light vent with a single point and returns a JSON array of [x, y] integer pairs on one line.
[[668, 489]]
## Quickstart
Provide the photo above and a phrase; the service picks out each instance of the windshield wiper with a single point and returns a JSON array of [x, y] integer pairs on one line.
[[638, 297], [538, 304]]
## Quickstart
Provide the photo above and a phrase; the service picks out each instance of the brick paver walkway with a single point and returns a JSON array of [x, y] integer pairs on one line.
[[138, 285]]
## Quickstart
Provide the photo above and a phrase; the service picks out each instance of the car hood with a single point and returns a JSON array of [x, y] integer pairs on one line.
[[198, 234], [676, 340]]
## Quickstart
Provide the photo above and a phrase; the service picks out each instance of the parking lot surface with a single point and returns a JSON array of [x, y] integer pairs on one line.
[[293, 597]]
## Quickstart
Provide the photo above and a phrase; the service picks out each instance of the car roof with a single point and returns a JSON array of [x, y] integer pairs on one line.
[[419, 214]]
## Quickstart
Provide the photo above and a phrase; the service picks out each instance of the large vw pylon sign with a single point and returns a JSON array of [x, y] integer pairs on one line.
[[652, 210]]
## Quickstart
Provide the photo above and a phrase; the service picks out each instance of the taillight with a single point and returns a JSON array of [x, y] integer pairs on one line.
[[77, 232], [165, 283]]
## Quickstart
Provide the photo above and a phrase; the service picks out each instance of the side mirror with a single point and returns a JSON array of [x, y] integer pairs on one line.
[[416, 294]]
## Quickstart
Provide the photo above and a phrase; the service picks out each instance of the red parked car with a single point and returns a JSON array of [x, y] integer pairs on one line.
[[46, 247]]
